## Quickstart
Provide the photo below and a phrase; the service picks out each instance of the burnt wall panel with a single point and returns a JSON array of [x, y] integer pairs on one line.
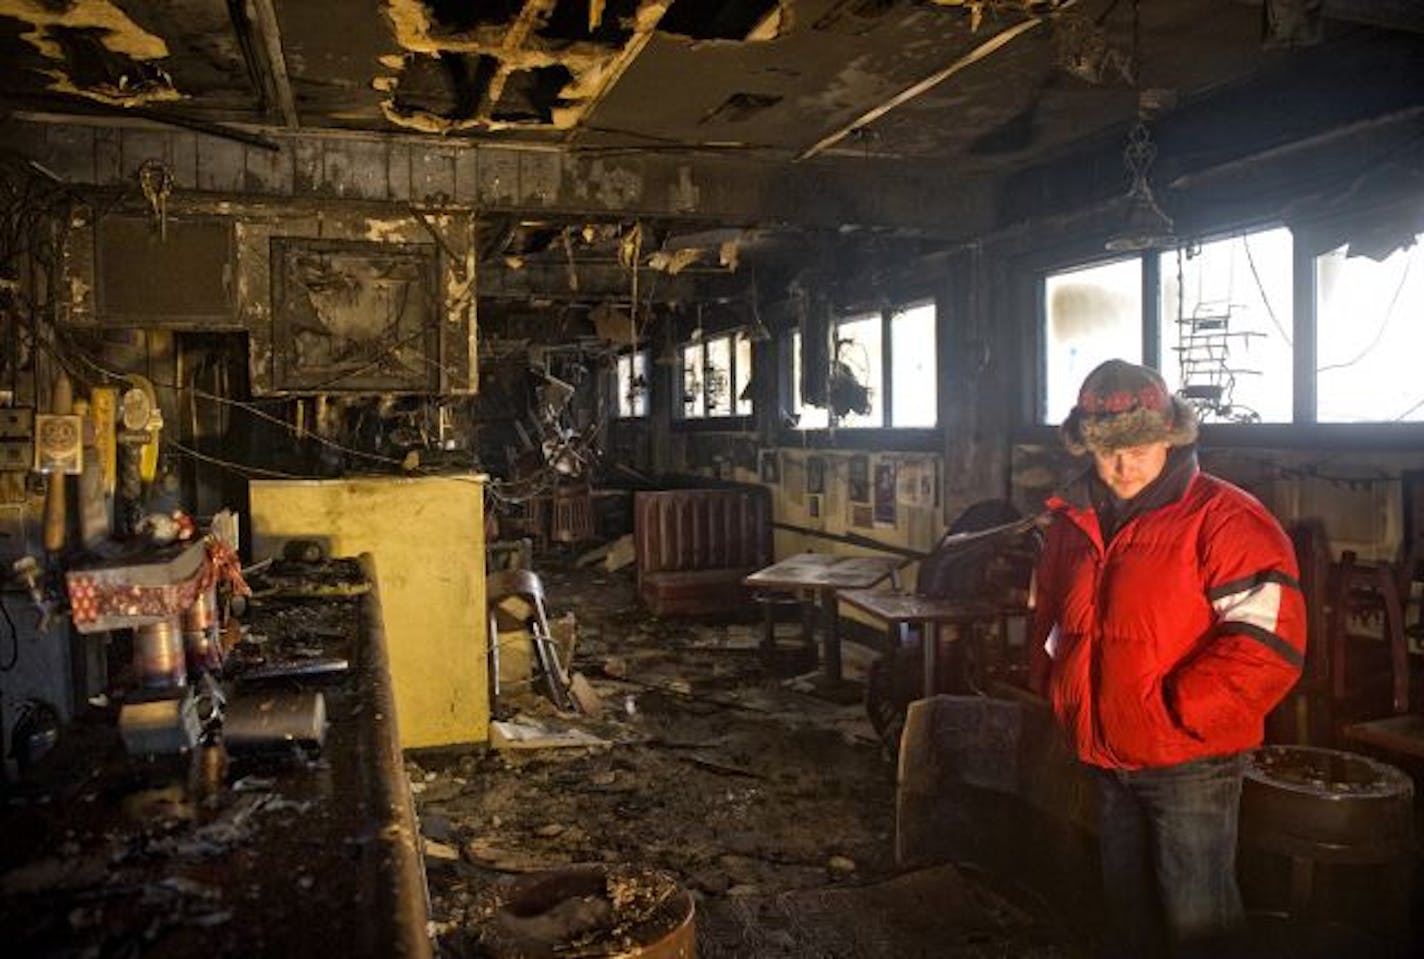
[[432, 174], [356, 169], [108, 156], [144, 146], [398, 172], [269, 171], [183, 160], [69, 152], [221, 165], [182, 275], [306, 166], [467, 177]]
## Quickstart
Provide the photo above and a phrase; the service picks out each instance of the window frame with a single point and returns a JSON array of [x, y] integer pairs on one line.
[[630, 356], [835, 435], [1303, 431], [735, 420]]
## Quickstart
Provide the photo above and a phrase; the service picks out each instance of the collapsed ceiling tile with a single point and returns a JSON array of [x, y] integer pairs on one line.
[[721, 20], [532, 95], [100, 52], [449, 87], [461, 16], [605, 23]]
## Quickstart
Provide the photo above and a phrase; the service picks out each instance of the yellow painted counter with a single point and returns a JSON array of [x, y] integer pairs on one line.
[[427, 537]]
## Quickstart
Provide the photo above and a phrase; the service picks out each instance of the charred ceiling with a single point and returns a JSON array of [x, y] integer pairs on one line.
[[964, 92]]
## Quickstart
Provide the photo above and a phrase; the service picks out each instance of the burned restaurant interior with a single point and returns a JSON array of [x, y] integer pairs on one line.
[[573, 478]]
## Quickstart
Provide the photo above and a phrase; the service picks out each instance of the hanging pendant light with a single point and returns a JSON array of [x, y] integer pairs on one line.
[[1145, 226]]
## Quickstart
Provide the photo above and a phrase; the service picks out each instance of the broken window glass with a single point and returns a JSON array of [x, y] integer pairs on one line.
[[717, 376], [1226, 325], [1368, 336], [693, 400], [1091, 314], [742, 380], [858, 372], [807, 417], [633, 384]]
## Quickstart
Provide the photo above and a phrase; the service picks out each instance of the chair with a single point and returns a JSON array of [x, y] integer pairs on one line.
[[572, 515], [526, 586], [1362, 593], [1365, 592]]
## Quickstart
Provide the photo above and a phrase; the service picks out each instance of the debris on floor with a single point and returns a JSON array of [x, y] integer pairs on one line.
[[773, 808]]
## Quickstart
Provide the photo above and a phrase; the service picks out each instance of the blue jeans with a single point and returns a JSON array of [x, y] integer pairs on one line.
[[1168, 842]]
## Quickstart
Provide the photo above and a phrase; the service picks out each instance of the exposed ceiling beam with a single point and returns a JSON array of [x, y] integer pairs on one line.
[[276, 60], [985, 49]]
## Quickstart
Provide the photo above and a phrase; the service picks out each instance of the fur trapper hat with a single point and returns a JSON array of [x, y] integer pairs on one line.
[[1122, 404]]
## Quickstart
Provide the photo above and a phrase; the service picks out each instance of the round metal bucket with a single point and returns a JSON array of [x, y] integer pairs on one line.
[[588, 910]]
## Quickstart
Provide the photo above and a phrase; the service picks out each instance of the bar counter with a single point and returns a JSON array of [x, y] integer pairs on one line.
[[284, 853]]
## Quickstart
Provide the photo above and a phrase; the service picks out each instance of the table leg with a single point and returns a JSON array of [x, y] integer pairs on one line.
[[931, 649], [831, 641], [768, 628]]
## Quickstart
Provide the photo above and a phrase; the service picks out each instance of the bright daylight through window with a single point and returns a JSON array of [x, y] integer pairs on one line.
[[716, 374], [1370, 337], [1226, 324], [914, 385], [860, 380], [1090, 315], [633, 384]]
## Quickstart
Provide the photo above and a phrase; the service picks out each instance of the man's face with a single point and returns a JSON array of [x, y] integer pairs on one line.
[[1128, 469]]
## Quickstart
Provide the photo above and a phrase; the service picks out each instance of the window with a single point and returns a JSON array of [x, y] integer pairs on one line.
[[1226, 318], [1228, 336], [914, 385], [861, 379], [1091, 315], [716, 375], [807, 417], [1369, 337], [858, 372], [632, 383]]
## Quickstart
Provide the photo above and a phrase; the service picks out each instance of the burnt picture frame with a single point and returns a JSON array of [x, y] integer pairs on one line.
[[354, 316]]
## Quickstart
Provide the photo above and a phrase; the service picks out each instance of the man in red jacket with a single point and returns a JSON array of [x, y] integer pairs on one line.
[[1169, 622]]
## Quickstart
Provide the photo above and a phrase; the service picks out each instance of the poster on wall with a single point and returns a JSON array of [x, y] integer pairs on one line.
[[860, 515], [769, 466], [917, 483], [858, 479], [815, 475], [793, 480], [884, 504]]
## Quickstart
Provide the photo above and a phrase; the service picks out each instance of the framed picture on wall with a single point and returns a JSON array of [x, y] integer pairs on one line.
[[815, 475], [769, 466], [354, 316], [858, 479], [885, 510]]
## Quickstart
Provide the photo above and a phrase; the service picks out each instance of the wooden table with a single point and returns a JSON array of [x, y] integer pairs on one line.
[[825, 574], [897, 607]]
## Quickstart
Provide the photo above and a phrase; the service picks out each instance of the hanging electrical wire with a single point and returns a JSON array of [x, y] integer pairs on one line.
[[1383, 325]]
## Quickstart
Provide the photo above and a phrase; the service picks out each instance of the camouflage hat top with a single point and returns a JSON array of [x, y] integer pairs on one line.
[[1122, 404]]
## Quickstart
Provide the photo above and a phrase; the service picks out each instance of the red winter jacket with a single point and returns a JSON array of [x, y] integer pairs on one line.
[[1174, 640]]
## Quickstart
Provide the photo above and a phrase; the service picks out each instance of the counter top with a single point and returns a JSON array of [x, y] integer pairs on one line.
[[291, 853]]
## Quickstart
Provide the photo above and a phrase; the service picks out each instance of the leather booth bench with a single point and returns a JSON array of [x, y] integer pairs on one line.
[[693, 547]]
